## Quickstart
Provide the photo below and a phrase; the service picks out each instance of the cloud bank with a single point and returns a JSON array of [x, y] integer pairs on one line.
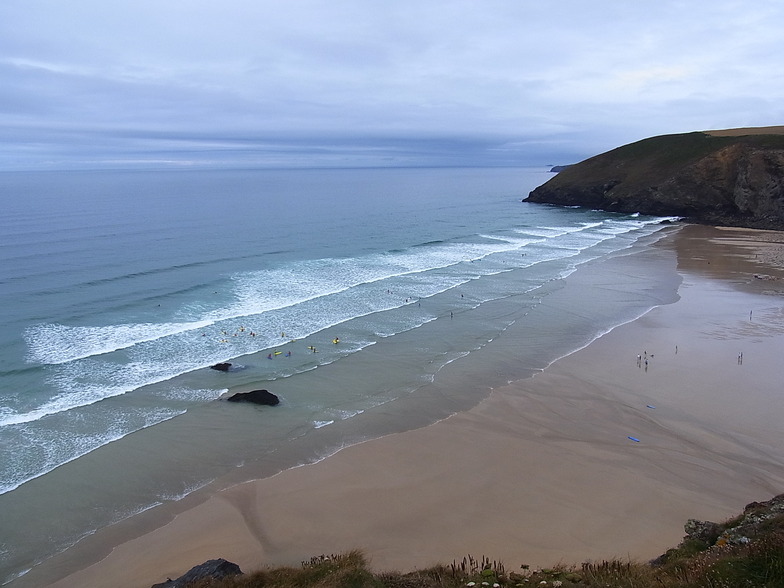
[[355, 83]]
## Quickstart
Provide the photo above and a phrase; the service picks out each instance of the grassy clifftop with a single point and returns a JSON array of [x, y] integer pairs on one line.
[[747, 550], [717, 177]]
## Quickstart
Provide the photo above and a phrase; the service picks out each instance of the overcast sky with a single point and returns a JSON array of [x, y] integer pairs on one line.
[[145, 83]]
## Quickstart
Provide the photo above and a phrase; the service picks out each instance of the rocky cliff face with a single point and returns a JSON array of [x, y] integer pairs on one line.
[[721, 180]]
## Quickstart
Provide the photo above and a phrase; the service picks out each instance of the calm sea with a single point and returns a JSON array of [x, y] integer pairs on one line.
[[118, 290]]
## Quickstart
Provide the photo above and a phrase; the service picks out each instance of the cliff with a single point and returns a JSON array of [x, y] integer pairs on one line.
[[717, 177]]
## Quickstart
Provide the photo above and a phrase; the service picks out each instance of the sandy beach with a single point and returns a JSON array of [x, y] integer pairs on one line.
[[603, 454]]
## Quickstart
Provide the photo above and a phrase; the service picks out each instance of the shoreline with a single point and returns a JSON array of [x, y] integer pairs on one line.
[[565, 483]]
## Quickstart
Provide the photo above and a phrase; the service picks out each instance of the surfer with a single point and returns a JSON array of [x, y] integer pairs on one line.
[[336, 340]]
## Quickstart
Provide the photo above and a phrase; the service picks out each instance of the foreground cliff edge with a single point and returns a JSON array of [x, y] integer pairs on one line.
[[746, 550], [733, 177]]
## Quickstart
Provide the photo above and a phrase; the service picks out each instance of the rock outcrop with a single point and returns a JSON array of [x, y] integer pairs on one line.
[[255, 397], [214, 569], [758, 519], [730, 180]]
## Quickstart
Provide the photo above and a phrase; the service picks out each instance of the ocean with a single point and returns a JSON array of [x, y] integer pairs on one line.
[[368, 300]]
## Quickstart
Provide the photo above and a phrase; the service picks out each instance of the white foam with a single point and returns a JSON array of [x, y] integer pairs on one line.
[[76, 447], [191, 395], [302, 298], [180, 495], [56, 344]]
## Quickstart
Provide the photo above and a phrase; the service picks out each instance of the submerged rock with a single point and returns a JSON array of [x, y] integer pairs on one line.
[[216, 569], [255, 397], [221, 367]]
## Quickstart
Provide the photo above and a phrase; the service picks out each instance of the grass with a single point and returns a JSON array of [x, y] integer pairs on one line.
[[756, 562], [656, 157]]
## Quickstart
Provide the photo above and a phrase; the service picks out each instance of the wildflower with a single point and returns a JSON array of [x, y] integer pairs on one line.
[[471, 584]]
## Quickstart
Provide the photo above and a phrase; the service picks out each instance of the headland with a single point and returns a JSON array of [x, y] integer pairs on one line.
[[732, 177]]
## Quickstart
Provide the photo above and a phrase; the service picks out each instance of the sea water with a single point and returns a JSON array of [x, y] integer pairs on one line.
[[362, 298]]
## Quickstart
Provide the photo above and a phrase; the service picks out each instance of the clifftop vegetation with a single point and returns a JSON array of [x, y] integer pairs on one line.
[[747, 550]]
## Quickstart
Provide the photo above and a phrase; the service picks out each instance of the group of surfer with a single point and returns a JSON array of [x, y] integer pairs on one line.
[[311, 348], [275, 353], [235, 334]]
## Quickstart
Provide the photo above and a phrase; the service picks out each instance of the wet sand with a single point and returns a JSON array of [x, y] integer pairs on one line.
[[600, 455]]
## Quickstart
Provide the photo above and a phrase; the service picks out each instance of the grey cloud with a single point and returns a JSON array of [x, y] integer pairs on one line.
[[405, 82]]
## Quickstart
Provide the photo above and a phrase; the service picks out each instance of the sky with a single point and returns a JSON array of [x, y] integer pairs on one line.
[[350, 83]]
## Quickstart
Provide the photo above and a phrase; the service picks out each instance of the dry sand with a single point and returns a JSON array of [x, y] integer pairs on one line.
[[544, 470]]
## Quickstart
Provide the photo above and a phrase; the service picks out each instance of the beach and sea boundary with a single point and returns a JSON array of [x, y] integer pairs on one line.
[[603, 454]]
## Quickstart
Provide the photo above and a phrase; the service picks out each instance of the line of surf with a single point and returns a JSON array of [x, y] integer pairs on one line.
[[57, 344]]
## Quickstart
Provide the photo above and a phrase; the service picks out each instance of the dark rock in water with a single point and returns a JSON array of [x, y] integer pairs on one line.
[[215, 568], [256, 397], [221, 367]]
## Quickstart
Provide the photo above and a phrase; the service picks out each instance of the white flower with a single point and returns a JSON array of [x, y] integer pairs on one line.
[[471, 584]]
